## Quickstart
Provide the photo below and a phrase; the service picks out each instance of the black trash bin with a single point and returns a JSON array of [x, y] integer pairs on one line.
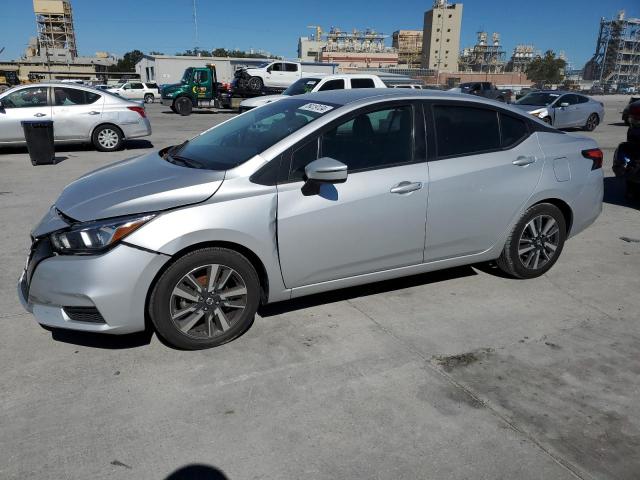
[[39, 137]]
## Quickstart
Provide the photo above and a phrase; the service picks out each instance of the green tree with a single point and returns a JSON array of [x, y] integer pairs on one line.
[[547, 69], [128, 62]]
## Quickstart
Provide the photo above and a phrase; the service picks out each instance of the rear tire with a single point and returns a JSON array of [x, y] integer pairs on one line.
[[535, 243], [183, 106], [206, 298], [107, 138], [149, 98]]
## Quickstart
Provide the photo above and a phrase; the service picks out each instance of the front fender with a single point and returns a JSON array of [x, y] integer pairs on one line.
[[240, 212]]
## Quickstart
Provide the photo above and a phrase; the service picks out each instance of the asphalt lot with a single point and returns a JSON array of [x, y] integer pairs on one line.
[[459, 374]]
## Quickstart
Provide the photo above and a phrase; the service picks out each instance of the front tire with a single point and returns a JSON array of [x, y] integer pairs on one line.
[[255, 84], [592, 122], [107, 138], [535, 243], [206, 298], [183, 106]]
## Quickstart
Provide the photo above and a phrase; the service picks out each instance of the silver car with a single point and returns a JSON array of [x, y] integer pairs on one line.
[[563, 109], [312, 193], [80, 115]]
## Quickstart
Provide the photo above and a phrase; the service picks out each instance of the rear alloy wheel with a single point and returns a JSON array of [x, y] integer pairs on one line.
[[205, 299], [149, 98], [183, 106], [107, 138], [592, 123], [535, 243]]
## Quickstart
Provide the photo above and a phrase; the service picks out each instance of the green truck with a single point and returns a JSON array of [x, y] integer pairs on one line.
[[199, 88]]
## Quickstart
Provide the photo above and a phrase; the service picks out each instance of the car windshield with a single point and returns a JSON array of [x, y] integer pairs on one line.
[[186, 78], [304, 85], [537, 98], [241, 138]]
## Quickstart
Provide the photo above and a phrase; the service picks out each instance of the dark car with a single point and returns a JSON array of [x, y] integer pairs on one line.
[[625, 112]]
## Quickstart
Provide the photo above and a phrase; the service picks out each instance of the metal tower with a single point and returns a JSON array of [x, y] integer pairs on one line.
[[54, 21], [616, 61]]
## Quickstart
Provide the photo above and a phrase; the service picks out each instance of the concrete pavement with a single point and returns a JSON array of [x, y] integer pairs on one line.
[[459, 374]]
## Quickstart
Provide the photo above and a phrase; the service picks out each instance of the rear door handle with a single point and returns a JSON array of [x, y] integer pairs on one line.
[[40, 115], [406, 187], [94, 113], [524, 161]]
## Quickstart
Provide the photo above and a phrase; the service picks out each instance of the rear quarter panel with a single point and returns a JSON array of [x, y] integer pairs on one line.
[[568, 176]]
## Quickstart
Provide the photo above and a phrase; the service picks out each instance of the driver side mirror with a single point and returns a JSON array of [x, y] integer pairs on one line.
[[326, 170]]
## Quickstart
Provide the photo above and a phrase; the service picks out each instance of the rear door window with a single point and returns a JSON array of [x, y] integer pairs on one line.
[[71, 96], [465, 130], [362, 83], [332, 85], [512, 130], [290, 67]]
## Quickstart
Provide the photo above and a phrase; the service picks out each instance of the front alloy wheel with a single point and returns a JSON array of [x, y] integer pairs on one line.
[[592, 123], [205, 298], [207, 301]]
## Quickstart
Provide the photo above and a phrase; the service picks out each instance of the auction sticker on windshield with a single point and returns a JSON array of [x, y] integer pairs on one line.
[[316, 107]]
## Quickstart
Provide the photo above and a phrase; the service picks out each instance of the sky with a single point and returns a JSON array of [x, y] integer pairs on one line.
[[118, 26]]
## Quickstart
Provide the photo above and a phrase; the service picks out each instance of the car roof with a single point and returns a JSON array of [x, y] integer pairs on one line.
[[371, 95], [344, 97]]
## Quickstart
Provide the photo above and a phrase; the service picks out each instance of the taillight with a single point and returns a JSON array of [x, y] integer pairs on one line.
[[140, 111], [595, 155]]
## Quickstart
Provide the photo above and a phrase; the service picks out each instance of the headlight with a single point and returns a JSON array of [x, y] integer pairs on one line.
[[95, 237]]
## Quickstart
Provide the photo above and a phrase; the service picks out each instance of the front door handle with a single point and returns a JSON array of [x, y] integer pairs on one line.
[[524, 161], [40, 115], [406, 187], [94, 113]]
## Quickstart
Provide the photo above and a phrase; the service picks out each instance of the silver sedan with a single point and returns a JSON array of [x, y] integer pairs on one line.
[[563, 109], [311, 193], [80, 115]]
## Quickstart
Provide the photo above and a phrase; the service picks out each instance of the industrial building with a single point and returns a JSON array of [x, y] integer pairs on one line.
[[53, 53], [359, 48], [309, 48], [408, 44], [441, 36], [616, 61], [485, 56], [521, 58]]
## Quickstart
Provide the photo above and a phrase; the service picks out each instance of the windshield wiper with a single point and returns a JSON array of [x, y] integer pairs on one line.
[[185, 162]]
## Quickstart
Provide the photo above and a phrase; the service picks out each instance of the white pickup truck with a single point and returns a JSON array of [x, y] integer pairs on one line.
[[277, 74], [317, 83]]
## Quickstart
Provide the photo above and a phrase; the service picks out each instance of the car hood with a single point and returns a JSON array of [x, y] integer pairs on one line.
[[528, 108], [259, 101], [142, 184]]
